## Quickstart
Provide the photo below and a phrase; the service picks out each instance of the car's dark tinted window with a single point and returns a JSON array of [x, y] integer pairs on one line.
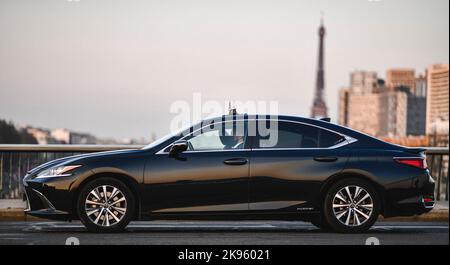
[[327, 138], [295, 135]]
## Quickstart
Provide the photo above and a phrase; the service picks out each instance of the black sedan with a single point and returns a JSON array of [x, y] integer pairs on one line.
[[239, 167]]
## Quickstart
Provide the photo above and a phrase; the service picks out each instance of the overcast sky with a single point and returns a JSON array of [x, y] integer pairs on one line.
[[112, 68]]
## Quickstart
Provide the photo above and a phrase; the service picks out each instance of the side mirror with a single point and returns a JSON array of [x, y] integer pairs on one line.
[[178, 147]]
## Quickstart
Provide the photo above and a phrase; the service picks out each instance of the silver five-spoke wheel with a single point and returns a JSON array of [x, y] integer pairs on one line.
[[352, 205], [106, 205]]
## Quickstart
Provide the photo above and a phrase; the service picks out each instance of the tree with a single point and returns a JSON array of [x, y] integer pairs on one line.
[[10, 135]]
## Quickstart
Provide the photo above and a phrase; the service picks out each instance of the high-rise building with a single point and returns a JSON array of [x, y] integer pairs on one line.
[[369, 106], [401, 77], [319, 108], [421, 86], [378, 114], [392, 113], [416, 115], [437, 117], [363, 82], [358, 99], [344, 95], [363, 113]]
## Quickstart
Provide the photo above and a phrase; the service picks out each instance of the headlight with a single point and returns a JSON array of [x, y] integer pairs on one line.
[[62, 171]]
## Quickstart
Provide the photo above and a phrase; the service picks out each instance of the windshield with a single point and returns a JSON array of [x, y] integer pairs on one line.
[[165, 138]]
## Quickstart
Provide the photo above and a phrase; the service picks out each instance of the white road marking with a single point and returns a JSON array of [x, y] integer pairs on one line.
[[3, 235], [45, 225], [173, 226], [410, 227]]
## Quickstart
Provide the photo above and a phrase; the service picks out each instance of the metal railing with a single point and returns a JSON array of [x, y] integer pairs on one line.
[[16, 160], [437, 160]]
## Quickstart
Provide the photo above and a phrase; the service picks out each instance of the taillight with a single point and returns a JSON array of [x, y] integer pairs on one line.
[[418, 162], [428, 199]]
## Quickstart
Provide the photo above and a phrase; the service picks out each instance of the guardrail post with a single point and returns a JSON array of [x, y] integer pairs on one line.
[[19, 176], [1, 173], [438, 191], [10, 169], [446, 190]]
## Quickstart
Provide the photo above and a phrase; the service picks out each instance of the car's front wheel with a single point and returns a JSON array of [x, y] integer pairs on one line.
[[321, 223], [105, 205], [351, 206]]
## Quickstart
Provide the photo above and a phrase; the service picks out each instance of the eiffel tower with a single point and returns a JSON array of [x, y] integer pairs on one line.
[[319, 108]]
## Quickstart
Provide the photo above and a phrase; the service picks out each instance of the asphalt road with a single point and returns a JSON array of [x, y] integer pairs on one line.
[[223, 233]]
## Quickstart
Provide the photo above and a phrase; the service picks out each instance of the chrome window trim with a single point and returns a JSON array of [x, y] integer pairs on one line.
[[213, 151], [348, 140], [409, 157]]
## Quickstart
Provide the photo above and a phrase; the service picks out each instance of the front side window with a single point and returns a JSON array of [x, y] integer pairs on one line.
[[296, 135], [220, 136]]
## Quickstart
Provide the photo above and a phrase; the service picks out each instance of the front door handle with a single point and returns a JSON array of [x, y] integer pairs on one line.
[[235, 161], [325, 158]]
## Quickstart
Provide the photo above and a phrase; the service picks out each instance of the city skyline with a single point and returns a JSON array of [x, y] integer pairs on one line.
[[108, 73], [403, 108]]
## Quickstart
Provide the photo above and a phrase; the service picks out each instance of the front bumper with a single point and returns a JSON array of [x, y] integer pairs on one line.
[[39, 205], [50, 199]]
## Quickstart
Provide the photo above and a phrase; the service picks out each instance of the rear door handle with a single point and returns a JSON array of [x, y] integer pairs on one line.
[[325, 158], [235, 161]]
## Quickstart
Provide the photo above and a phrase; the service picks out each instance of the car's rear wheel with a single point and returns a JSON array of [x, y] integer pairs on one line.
[[105, 205], [351, 206]]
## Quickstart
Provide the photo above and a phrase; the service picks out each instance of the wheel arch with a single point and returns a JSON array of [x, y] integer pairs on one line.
[[124, 178]]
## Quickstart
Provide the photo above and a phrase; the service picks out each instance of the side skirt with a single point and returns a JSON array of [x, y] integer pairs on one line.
[[235, 216]]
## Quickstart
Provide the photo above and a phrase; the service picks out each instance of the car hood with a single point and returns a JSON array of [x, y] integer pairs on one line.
[[78, 158]]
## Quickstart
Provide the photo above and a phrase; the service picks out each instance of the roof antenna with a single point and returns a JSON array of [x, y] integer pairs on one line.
[[231, 110]]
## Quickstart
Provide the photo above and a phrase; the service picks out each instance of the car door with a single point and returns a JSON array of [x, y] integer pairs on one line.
[[211, 176], [286, 175]]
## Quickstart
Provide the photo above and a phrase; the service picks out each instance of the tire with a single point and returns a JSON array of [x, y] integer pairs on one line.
[[356, 215], [320, 223], [109, 216]]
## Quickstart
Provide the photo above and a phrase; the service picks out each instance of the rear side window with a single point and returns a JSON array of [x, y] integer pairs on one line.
[[295, 135], [328, 139]]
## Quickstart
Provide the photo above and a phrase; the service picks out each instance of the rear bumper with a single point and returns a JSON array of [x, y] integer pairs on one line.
[[411, 206], [416, 200]]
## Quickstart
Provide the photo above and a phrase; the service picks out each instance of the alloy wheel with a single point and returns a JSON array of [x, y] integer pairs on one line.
[[352, 205], [106, 205]]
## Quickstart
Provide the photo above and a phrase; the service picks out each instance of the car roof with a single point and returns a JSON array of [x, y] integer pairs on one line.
[[364, 140]]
